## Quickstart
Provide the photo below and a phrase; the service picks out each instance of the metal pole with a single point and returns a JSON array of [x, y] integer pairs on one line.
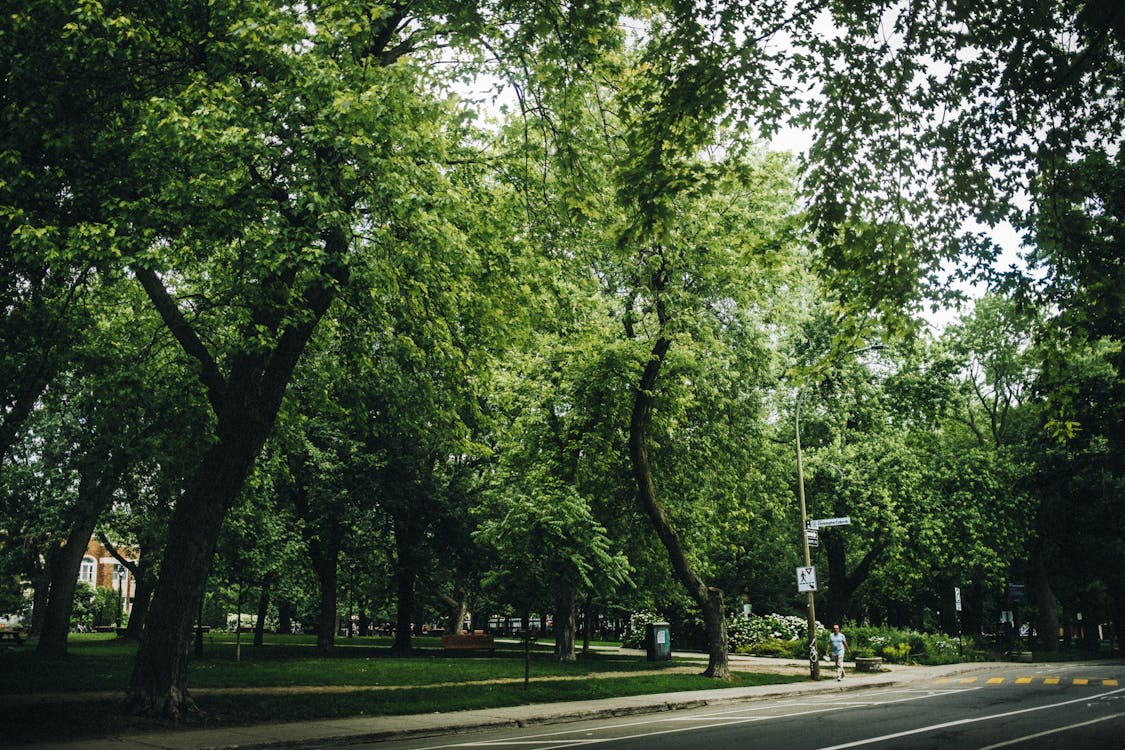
[[120, 595], [814, 658]]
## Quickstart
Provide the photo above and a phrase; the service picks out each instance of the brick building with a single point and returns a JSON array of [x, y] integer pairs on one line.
[[101, 570]]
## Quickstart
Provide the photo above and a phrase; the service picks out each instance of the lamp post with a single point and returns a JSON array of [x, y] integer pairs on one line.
[[121, 573]]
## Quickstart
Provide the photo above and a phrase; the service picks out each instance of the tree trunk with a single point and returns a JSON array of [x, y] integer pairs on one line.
[[565, 626], [709, 599], [841, 584], [62, 572], [324, 549], [456, 606], [94, 496], [141, 573], [587, 623], [972, 617], [263, 609], [142, 599], [1047, 618], [285, 616], [245, 400], [159, 682], [405, 572]]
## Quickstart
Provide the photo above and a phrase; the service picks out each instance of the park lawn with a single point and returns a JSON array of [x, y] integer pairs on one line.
[[99, 662], [426, 682]]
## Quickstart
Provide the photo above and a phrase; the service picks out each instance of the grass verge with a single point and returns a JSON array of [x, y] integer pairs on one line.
[[79, 696]]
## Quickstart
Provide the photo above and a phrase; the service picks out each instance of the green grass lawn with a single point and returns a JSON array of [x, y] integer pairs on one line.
[[427, 681]]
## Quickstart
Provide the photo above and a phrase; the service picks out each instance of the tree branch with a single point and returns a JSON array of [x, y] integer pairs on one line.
[[209, 373]]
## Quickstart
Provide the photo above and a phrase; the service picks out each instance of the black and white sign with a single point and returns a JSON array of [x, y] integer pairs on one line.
[[820, 523], [806, 579]]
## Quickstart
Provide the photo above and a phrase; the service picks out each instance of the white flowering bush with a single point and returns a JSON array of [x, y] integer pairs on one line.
[[634, 636], [745, 632]]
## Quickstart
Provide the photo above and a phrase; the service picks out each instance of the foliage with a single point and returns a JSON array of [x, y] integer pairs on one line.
[[636, 627], [900, 646], [745, 632], [195, 206], [84, 611], [776, 648]]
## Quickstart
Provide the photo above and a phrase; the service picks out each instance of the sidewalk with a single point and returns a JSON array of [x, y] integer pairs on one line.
[[376, 728]]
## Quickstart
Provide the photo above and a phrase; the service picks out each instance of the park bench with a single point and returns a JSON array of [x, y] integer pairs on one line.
[[468, 642], [11, 635]]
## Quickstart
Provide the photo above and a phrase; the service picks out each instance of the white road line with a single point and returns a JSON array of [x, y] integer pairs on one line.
[[728, 716], [959, 722], [1037, 735]]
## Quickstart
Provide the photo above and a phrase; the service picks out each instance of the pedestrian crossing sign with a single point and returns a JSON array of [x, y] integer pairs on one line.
[[806, 578]]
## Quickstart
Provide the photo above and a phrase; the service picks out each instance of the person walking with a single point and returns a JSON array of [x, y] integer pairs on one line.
[[837, 645]]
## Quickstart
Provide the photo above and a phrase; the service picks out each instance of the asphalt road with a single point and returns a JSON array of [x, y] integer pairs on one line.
[[1062, 706]]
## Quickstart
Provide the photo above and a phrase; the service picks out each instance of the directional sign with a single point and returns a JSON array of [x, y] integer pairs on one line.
[[820, 523], [806, 579]]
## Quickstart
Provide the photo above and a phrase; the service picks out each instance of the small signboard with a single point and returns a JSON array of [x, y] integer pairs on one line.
[[806, 579], [957, 598], [813, 537], [820, 523]]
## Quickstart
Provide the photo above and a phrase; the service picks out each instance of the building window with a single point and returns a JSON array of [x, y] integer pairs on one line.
[[86, 572]]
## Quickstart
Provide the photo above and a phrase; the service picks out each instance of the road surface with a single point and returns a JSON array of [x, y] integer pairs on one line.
[[1077, 707]]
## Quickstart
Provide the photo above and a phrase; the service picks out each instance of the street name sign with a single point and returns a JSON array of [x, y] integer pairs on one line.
[[820, 523]]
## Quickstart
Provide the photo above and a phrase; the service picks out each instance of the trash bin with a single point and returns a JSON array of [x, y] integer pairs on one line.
[[658, 641]]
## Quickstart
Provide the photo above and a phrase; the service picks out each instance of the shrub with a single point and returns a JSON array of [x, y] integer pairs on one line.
[[634, 635], [783, 635], [82, 612], [897, 654], [899, 645], [106, 606], [772, 647]]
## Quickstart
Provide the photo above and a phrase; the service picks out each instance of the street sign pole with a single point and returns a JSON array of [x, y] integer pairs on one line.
[[957, 613], [814, 658]]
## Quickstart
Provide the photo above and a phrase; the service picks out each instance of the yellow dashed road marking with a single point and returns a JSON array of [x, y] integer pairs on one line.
[[1104, 681]]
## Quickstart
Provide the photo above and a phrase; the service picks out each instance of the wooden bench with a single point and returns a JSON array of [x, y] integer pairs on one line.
[[12, 635], [469, 642]]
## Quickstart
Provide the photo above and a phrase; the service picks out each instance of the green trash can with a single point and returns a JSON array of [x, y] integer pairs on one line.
[[658, 641]]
